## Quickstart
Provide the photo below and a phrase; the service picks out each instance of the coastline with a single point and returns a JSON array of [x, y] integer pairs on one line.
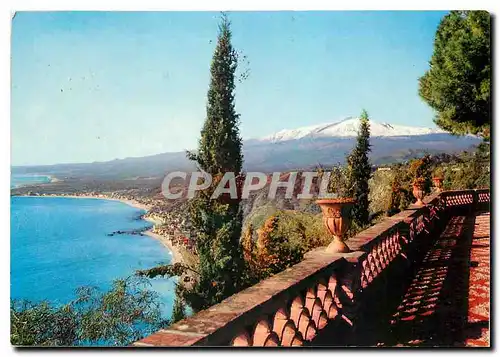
[[131, 203], [176, 255], [165, 241]]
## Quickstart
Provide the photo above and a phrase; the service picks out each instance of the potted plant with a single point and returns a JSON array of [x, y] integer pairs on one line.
[[438, 178], [420, 170], [418, 190], [337, 210]]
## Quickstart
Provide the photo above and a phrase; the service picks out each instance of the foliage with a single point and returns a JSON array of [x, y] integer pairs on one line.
[[123, 314], [248, 244], [481, 166], [42, 325], [380, 190], [279, 247], [258, 215], [438, 172], [176, 269], [457, 85], [406, 199], [395, 196], [219, 148], [178, 310], [220, 271], [401, 192], [340, 182], [420, 170], [282, 241], [298, 231], [390, 191], [360, 172], [469, 170], [463, 171], [218, 222], [419, 181]]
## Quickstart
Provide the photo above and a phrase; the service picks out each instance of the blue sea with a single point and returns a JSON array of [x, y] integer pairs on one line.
[[60, 244], [18, 180]]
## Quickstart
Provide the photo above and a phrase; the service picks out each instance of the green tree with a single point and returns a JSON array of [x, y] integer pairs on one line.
[[360, 172], [217, 222], [117, 317], [178, 311], [395, 197], [219, 148], [457, 85]]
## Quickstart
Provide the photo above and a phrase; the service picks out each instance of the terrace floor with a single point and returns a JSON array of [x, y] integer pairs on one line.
[[448, 301]]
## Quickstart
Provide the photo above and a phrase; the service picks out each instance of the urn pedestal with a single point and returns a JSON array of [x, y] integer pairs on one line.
[[337, 220], [418, 192], [438, 183]]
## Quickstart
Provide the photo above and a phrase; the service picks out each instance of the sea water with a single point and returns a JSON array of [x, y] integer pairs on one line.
[[18, 180], [59, 244]]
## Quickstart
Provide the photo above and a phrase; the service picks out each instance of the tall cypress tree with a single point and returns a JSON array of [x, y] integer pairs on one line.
[[360, 171], [219, 148], [218, 222]]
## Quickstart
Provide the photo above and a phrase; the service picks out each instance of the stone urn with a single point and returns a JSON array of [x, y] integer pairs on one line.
[[337, 220], [418, 192], [438, 183]]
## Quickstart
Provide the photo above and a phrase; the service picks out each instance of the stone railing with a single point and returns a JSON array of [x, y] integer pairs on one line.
[[327, 299], [471, 199]]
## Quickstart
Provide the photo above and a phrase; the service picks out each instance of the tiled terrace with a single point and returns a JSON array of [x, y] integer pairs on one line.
[[419, 278], [447, 302]]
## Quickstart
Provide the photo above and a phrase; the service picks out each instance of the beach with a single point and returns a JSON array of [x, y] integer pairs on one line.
[[167, 242]]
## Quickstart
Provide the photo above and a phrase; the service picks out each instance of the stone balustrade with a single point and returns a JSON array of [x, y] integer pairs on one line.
[[327, 299]]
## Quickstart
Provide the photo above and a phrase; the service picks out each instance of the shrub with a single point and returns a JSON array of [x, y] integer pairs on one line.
[[420, 171], [438, 172], [282, 241], [395, 198], [117, 317]]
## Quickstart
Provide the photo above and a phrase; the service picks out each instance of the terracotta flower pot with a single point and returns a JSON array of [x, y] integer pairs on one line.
[[438, 183], [337, 220], [418, 192]]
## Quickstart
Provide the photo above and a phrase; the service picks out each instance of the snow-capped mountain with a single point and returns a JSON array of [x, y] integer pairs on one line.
[[329, 143], [297, 149], [347, 128]]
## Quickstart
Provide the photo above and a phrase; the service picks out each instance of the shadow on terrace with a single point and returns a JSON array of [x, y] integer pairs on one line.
[[419, 278]]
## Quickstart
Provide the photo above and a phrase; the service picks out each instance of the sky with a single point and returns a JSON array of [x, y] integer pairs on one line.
[[97, 86]]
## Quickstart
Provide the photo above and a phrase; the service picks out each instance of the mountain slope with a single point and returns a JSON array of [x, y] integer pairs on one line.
[[347, 128], [295, 149]]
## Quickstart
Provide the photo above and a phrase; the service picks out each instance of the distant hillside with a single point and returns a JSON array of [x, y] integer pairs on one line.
[[301, 148]]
